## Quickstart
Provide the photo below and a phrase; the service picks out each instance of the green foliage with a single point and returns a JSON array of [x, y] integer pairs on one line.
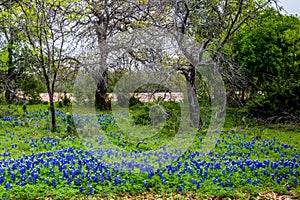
[[153, 113], [9, 110], [31, 87], [70, 125], [2, 99], [265, 142], [140, 114], [263, 147], [3, 60], [269, 51], [134, 101], [124, 102], [24, 108], [65, 101]]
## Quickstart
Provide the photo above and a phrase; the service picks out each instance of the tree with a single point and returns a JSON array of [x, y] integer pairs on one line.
[[269, 51], [13, 53], [103, 20], [212, 24], [47, 27]]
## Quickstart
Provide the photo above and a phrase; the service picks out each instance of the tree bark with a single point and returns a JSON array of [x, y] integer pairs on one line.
[[8, 91], [100, 100], [53, 114], [51, 101], [10, 74], [190, 75]]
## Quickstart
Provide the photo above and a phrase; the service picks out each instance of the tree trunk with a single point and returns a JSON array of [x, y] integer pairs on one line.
[[100, 100], [243, 97], [50, 93], [8, 92], [190, 75], [52, 110], [10, 74]]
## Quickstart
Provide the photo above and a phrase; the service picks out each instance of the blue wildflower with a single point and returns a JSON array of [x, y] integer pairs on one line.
[[7, 186], [54, 183], [180, 190], [228, 183], [91, 190], [78, 181], [278, 180]]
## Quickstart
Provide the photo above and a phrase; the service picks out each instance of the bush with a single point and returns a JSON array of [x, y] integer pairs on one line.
[[60, 104], [147, 113], [34, 101], [2, 98], [140, 114], [10, 109], [66, 101], [134, 101]]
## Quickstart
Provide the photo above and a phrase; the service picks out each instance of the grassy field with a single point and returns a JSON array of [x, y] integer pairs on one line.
[[248, 160]]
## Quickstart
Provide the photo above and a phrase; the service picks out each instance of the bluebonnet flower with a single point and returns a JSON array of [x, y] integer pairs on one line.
[[279, 180], [101, 177], [77, 181], [163, 181], [248, 180], [51, 171], [54, 183], [180, 190], [215, 180], [95, 178], [7, 186], [80, 189], [69, 181], [91, 190], [117, 180], [228, 183], [197, 185]]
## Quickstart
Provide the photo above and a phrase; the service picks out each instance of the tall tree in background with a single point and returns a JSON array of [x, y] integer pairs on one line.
[[13, 53], [269, 51], [103, 20], [212, 24]]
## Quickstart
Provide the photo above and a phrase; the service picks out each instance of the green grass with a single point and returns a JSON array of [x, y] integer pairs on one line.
[[235, 132]]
